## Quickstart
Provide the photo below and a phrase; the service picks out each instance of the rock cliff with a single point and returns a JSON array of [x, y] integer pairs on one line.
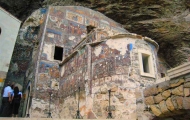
[[166, 21]]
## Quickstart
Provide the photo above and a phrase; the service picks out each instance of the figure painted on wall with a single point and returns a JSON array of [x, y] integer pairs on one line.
[[54, 72]]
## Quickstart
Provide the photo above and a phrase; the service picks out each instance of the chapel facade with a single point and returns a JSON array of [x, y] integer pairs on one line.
[[72, 47]]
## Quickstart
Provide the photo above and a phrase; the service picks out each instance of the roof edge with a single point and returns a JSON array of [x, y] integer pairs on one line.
[[10, 14]]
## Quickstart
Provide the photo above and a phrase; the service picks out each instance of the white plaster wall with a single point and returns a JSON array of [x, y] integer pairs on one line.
[[9, 31], [49, 51], [120, 44]]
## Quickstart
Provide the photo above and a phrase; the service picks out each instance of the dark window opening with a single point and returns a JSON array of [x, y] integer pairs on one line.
[[145, 61], [0, 30], [58, 54], [90, 28], [163, 75]]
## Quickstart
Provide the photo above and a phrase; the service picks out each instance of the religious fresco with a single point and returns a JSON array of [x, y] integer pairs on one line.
[[53, 36], [67, 26], [75, 72], [101, 35], [89, 21], [51, 69], [74, 17], [19, 63], [109, 62]]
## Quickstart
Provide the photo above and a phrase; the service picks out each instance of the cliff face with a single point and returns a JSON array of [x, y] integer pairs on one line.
[[167, 22]]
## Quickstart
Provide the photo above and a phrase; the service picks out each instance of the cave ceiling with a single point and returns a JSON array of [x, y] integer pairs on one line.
[[165, 21]]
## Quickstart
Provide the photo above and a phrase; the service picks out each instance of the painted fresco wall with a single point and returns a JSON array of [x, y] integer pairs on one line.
[[9, 26], [23, 61], [75, 71], [113, 64], [64, 27], [115, 67]]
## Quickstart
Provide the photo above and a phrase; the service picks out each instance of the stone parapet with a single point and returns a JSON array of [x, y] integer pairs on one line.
[[168, 98], [179, 71]]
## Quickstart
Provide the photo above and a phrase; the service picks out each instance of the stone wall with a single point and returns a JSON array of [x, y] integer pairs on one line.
[[113, 67], [169, 98]]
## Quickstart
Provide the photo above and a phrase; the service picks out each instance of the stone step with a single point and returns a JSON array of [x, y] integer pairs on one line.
[[12, 118]]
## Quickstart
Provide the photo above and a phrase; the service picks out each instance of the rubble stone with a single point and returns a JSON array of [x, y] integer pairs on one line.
[[169, 104], [163, 107], [158, 98], [149, 100], [177, 82], [166, 94], [155, 109], [178, 91], [186, 102]]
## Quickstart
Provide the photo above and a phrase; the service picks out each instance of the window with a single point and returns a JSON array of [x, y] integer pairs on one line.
[[89, 28], [58, 53], [146, 63], [0, 30]]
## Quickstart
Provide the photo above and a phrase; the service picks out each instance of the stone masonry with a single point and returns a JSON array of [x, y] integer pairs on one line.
[[169, 98]]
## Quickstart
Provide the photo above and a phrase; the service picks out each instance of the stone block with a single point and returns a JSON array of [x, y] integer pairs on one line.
[[174, 102], [166, 94], [158, 98], [149, 100], [119, 96], [149, 91], [138, 94], [178, 91], [156, 110], [186, 92], [104, 90], [163, 86], [114, 89], [187, 85], [186, 103], [187, 78], [111, 108], [99, 96], [175, 83], [163, 107], [179, 101], [90, 115], [170, 105]]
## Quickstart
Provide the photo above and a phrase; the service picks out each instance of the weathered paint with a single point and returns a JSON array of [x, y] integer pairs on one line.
[[105, 61]]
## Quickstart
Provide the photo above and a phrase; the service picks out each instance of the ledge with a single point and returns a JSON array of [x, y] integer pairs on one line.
[[179, 71]]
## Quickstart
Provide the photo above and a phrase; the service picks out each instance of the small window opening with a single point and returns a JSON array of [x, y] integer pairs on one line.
[[90, 28], [58, 54], [0, 30], [163, 75], [145, 61]]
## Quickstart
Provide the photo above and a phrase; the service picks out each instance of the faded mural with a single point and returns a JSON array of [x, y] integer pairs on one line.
[[64, 27], [23, 61], [105, 59], [114, 66]]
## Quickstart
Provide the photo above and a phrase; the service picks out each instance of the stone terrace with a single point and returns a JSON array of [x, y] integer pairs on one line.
[[169, 98]]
